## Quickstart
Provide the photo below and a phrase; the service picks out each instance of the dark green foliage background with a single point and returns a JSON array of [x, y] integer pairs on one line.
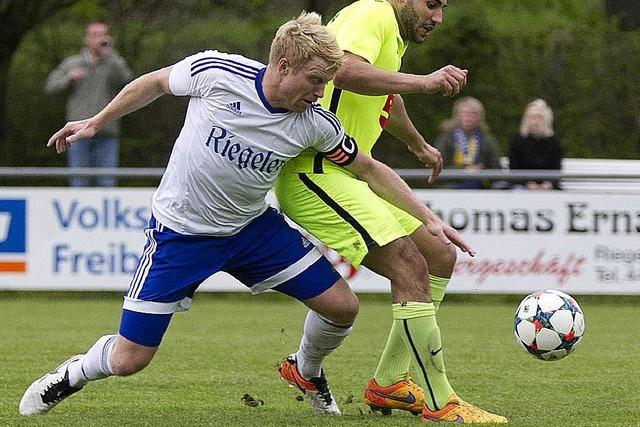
[[569, 53]]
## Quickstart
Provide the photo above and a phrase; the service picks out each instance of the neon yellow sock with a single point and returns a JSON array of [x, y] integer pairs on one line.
[[437, 288], [422, 336], [395, 360]]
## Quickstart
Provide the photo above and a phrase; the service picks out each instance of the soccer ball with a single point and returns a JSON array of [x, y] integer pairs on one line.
[[549, 325]]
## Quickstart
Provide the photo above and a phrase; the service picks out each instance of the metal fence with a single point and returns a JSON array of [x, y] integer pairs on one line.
[[446, 175], [612, 179]]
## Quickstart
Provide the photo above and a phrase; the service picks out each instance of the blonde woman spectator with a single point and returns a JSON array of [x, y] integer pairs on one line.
[[536, 146], [465, 141]]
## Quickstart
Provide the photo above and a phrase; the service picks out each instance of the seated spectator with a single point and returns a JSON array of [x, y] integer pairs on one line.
[[536, 146], [465, 142]]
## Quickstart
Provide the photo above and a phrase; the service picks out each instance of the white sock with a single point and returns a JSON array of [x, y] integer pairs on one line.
[[320, 337], [94, 365]]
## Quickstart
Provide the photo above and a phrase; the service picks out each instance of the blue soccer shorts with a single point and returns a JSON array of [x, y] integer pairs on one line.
[[266, 254]]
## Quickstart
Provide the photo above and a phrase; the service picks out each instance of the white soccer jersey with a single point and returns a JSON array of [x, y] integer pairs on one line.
[[233, 144]]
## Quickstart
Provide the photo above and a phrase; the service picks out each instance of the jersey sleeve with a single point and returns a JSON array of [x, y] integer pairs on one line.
[[364, 31], [192, 77], [331, 141]]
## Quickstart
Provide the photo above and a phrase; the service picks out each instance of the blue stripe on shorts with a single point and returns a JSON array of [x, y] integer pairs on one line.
[[265, 254]]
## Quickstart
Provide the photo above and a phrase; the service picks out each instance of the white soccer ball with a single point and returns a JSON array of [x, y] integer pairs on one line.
[[549, 325]]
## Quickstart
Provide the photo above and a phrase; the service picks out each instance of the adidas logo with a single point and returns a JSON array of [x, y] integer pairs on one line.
[[234, 107]]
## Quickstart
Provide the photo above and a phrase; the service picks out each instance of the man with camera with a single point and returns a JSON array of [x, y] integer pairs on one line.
[[91, 79]]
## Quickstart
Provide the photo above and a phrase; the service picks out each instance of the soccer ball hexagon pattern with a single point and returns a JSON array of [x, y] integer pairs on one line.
[[549, 324]]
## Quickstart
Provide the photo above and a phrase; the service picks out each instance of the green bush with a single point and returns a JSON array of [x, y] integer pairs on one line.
[[569, 53]]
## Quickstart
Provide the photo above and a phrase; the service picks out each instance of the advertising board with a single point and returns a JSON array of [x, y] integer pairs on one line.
[[90, 239]]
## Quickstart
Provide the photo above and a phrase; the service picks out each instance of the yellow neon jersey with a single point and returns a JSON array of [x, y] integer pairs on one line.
[[367, 28]]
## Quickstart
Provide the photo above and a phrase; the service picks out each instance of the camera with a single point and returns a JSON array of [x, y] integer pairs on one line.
[[105, 41]]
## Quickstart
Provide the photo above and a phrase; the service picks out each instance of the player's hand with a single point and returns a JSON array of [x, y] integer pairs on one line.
[[70, 133], [431, 158], [448, 235], [449, 80]]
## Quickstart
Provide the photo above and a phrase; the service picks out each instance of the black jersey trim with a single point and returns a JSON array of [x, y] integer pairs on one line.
[[317, 163], [342, 213], [335, 99]]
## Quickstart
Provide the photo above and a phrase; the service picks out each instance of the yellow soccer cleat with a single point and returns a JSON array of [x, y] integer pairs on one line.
[[404, 395], [460, 412]]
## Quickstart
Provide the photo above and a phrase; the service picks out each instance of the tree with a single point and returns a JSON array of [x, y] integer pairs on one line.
[[16, 19], [627, 11]]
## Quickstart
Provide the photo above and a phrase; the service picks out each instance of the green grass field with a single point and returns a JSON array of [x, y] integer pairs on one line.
[[228, 346]]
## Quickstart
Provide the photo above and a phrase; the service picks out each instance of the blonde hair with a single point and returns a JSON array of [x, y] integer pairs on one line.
[[449, 125], [547, 124], [303, 39]]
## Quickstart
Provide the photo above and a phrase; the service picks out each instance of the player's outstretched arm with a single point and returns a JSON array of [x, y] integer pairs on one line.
[[357, 75], [388, 185], [137, 94], [401, 126]]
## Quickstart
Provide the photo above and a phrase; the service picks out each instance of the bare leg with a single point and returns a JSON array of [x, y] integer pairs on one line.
[[441, 259]]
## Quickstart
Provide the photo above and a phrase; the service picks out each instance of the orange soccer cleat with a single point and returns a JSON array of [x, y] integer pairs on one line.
[[404, 395], [315, 389]]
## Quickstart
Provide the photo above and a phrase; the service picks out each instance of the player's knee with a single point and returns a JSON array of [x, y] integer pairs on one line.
[[442, 260], [449, 257], [125, 368], [128, 363], [408, 264], [408, 272], [350, 311], [347, 311]]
